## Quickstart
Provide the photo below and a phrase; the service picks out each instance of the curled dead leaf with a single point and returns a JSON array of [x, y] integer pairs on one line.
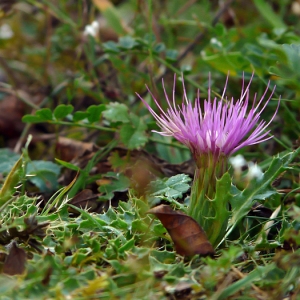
[[188, 236], [15, 261]]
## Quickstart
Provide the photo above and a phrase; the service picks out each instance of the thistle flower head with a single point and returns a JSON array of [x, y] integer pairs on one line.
[[217, 127]]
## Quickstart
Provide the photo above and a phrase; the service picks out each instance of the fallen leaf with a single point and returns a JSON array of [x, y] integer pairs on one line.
[[15, 261], [102, 4], [11, 111], [68, 149], [188, 236]]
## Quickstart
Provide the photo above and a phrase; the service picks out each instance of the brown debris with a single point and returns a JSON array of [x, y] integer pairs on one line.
[[188, 237]]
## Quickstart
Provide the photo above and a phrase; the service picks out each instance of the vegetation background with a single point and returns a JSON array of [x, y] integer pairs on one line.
[[69, 73]]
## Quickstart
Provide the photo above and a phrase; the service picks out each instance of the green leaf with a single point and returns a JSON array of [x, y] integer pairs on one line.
[[126, 42], [171, 55], [116, 112], [94, 112], [67, 165], [45, 114], [31, 119], [293, 55], [133, 134], [163, 256], [111, 47], [268, 13], [160, 47], [80, 115], [173, 187], [233, 62], [61, 111], [7, 160], [149, 38], [42, 115], [118, 183], [11, 181], [44, 174], [127, 246]]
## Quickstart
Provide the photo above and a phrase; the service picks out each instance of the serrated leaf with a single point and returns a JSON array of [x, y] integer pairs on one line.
[[116, 112], [173, 187], [61, 111], [94, 112], [133, 134], [116, 161]]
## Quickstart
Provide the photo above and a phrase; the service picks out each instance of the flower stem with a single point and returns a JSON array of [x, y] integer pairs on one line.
[[203, 207]]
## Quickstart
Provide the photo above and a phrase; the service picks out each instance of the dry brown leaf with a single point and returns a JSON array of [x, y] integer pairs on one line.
[[15, 261], [11, 112], [68, 149], [102, 4], [188, 236]]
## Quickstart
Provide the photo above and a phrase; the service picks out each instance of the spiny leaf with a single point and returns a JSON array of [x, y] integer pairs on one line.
[[173, 187]]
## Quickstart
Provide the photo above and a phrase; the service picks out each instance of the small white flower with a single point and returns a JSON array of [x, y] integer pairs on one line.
[[6, 32], [238, 162], [215, 42], [92, 29], [254, 171]]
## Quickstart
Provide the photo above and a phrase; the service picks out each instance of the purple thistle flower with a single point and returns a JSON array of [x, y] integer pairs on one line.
[[220, 127]]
